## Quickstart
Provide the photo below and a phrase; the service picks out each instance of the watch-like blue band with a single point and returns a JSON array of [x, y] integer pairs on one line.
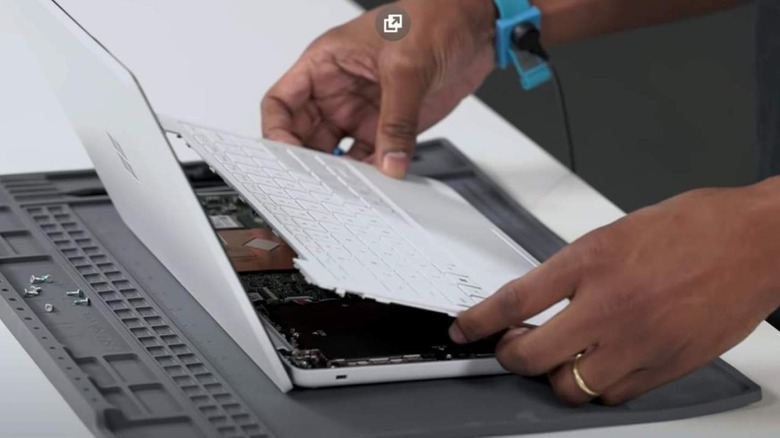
[[512, 13], [510, 8]]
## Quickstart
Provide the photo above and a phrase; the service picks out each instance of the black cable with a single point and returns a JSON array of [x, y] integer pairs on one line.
[[565, 116], [527, 38]]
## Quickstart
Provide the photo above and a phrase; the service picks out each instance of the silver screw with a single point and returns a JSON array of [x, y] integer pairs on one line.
[[48, 308], [82, 302], [38, 280], [32, 291], [75, 293]]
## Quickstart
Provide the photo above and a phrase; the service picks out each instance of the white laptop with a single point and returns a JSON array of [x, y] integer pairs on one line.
[[323, 270]]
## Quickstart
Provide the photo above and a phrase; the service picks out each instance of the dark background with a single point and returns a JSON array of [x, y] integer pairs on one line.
[[654, 112]]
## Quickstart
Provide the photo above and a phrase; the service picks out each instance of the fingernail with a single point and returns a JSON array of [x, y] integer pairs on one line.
[[395, 163], [456, 334]]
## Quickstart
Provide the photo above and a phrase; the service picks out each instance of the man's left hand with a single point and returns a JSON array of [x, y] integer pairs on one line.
[[653, 296]]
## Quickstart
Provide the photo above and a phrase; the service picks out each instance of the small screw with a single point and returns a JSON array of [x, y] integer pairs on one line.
[[75, 293], [38, 280], [82, 302], [48, 308], [32, 291]]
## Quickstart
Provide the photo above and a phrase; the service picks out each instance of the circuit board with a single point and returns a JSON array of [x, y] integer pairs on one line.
[[250, 244], [227, 211], [325, 330]]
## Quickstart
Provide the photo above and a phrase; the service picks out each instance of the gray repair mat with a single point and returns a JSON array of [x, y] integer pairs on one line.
[[146, 360]]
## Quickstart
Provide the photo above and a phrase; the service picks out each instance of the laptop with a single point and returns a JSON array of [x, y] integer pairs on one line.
[[324, 271]]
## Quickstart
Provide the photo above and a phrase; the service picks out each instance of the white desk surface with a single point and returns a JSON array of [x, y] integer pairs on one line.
[[210, 62]]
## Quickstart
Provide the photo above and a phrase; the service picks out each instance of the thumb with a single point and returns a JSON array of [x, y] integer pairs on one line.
[[403, 92]]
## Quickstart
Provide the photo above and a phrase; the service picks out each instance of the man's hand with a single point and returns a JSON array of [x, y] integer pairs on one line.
[[353, 83], [654, 296]]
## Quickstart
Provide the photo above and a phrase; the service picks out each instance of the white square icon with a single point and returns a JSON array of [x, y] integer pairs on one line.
[[393, 23]]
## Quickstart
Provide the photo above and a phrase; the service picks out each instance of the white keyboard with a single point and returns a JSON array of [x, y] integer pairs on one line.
[[328, 212]]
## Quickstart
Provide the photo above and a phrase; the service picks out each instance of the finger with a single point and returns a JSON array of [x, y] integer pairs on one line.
[[520, 299], [325, 138], [360, 150], [404, 86], [282, 101], [547, 347], [599, 368]]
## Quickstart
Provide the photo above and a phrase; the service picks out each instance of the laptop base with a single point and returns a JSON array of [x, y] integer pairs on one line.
[[146, 360]]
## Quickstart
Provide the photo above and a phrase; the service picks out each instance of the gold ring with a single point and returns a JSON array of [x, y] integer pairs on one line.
[[579, 380]]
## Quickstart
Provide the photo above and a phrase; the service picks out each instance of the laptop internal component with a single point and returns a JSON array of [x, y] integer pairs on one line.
[[250, 243], [326, 330], [322, 329]]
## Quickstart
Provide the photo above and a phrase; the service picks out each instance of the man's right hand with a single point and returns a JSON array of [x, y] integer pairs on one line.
[[351, 82]]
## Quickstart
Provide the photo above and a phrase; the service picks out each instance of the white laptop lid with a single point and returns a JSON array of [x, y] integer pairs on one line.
[[138, 168]]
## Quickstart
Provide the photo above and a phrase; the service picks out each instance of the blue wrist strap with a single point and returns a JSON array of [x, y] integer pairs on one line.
[[513, 13]]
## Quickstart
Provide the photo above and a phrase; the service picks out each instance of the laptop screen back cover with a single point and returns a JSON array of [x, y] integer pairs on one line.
[[133, 159]]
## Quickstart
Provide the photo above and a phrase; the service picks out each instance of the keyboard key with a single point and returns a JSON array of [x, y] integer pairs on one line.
[[358, 209], [341, 255], [323, 217], [352, 244], [373, 264], [241, 159], [454, 295], [306, 240], [361, 252], [304, 177], [248, 169], [215, 148], [258, 151], [449, 268], [261, 180], [259, 195], [284, 219], [373, 221], [457, 279], [308, 224], [326, 197], [287, 184], [334, 268], [473, 290], [323, 236], [296, 212], [269, 164], [382, 231], [348, 220], [278, 174], [333, 207], [301, 196], [234, 171], [284, 201], [312, 206], [273, 208], [222, 157], [271, 190], [314, 187], [335, 228], [357, 230]]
